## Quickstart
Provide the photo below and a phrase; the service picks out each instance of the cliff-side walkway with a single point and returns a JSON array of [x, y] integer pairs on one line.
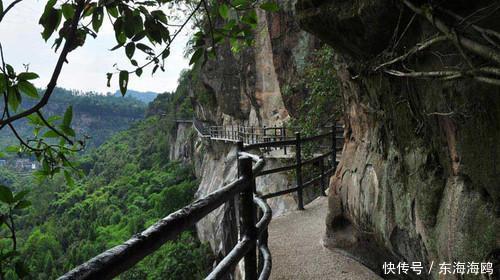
[[297, 252]]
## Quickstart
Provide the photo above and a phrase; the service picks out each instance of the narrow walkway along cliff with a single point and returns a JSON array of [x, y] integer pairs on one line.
[[295, 241]]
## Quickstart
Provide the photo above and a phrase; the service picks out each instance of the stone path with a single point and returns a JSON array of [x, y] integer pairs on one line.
[[295, 244]]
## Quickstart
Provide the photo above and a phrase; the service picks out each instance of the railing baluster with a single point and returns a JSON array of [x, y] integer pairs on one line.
[[248, 217], [298, 171]]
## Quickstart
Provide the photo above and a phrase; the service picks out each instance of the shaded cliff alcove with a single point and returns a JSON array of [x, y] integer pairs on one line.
[[419, 168]]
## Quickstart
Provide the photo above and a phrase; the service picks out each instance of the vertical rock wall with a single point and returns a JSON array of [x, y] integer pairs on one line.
[[181, 148], [247, 87], [419, 176]]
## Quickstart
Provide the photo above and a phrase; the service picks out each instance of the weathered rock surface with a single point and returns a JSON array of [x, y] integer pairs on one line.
[[182, 148], [247, 90], [419, 176]]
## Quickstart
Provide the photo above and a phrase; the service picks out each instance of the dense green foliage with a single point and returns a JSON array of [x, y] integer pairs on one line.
[[129, 184], [95, 115], [145, 97], [323, 102]]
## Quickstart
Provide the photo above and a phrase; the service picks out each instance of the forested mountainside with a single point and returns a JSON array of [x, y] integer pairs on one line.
[[95, 115], [128, 184], [145, 97]]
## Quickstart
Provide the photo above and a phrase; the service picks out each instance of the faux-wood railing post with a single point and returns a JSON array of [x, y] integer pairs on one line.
[[298, 171], [283, 135], [248, 217], [322, 167], [263, 240], [266, 149]]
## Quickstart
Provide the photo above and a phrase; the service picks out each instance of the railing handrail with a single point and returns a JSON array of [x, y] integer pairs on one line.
[[253, 234]]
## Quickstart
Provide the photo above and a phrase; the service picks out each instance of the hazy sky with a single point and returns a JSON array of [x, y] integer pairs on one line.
[[88, 65]]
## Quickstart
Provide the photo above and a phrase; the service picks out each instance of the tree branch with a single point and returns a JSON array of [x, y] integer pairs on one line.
[[6, 10], [57, 70], [472, 46], [417, 48], [53, 128], [483, 31]]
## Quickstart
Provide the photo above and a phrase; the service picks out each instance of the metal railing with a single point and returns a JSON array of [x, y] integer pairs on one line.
[[252, 246], [249, 134], [299, 164]]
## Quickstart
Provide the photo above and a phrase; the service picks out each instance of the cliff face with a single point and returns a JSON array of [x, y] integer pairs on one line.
[[182, 143], [419, 174], [246, 88]]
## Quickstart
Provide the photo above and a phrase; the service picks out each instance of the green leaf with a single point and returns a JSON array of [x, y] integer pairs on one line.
[[3, 82], [10, 71], [123, 80], [14, 98], [139, 36], [50, 20], [133, 25], [154, 31], [54, 118], [224, 11], [160, 16], [97, 19], [27, 76], [116, 47], [165, 53], [196, 56], [240, 3], [35, 120], [138, 72], [12, 149], [6, 194], [28, 88], [69, 179], [270, 7], [68, 117], [68, 10], [50, 134], [130, 49], [112, 10], [145, 48], [22, 204], [68, 131], [250, 19], [119, 35], [20, 195], [89, 9]]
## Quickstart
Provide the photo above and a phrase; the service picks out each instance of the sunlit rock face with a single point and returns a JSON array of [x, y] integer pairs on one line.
[[419, 176], [181, 148], [248, 88]]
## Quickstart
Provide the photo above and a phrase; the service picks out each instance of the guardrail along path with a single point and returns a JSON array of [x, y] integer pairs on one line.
[[294, 238]]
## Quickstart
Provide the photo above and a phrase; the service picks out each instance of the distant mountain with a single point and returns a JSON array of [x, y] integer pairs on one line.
[[98, 116], [145, 97]]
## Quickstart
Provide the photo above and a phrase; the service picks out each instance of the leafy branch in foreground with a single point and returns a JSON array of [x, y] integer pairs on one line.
[[11, 203], [140, 28]]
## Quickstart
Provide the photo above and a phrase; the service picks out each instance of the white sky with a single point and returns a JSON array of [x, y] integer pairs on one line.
[[88, 65]]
